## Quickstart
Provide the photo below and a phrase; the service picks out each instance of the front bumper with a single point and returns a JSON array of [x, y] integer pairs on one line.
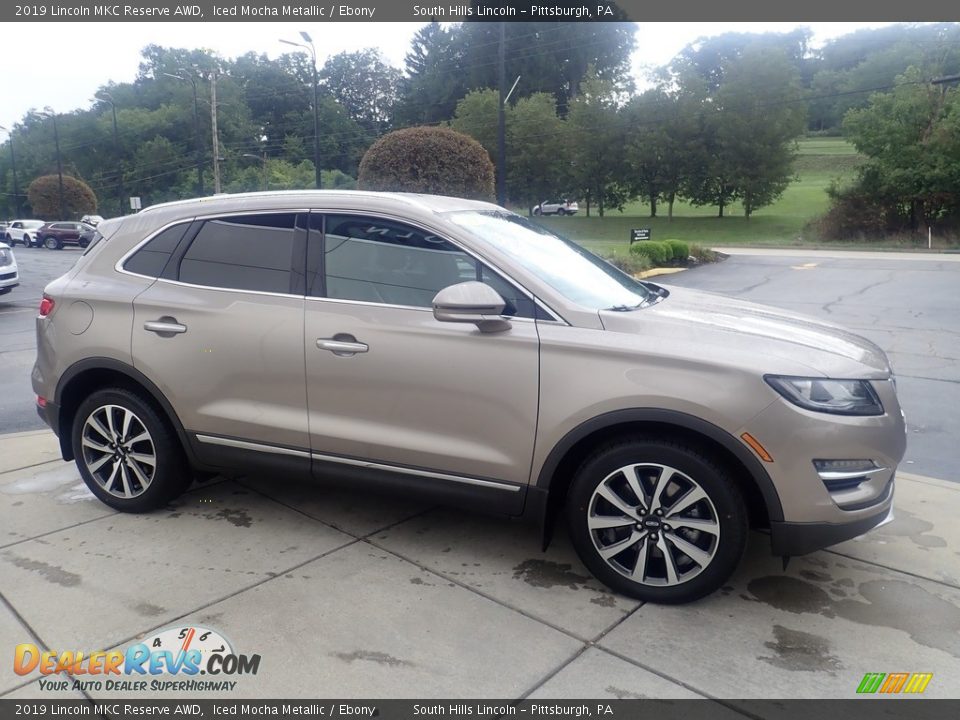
[[789, 538]]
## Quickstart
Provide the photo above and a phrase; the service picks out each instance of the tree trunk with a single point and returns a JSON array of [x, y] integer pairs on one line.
[[600, 203], [670, 200], [720, 214], [588, 203], [653, 205]]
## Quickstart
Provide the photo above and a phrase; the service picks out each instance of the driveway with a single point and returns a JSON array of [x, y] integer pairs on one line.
[[347, 595]]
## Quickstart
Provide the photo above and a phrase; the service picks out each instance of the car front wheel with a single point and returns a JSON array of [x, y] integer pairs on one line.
[[657, 520], [51, 243], [127, 454]]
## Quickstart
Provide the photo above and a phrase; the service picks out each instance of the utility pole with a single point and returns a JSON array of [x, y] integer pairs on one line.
[[107, 97], [13, 167], [197, 137], [216, 138], [502, 120]]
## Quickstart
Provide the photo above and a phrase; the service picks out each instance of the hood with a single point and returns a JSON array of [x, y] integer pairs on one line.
[[718, 321]]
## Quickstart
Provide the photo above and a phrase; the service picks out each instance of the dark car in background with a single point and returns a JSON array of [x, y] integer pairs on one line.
[[55, 235]]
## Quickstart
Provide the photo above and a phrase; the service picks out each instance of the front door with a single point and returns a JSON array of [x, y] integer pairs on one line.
[[391, 388]]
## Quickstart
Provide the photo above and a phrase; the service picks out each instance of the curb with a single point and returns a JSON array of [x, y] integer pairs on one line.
[[658, 271]]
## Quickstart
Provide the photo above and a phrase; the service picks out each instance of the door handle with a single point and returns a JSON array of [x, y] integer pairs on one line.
[[342, 345], [165, 326]]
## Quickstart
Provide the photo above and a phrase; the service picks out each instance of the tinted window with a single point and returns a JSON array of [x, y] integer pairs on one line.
[[381, 261], [245, 252], [152, 257]]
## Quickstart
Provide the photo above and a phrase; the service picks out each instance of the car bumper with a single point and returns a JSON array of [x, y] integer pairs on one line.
[[9, 277], [788, 539]]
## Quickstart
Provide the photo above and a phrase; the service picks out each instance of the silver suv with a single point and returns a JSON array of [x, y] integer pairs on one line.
[[450, 348]]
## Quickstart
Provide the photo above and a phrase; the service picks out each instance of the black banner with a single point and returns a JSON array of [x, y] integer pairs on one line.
[[471, 11], [865, 709]]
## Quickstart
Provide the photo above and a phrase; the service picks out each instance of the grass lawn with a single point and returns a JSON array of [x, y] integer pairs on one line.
[[819, 162]]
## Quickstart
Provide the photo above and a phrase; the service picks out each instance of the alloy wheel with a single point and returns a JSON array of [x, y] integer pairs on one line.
[[653, 524], [118, 451]]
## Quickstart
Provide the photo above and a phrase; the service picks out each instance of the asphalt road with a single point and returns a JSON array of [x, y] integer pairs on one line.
[[911, 308], [18, 308]]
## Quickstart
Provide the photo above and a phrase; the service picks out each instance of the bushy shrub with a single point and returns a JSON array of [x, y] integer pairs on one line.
[[433, 160], [679, 249], [702, 254], [44, 197], [657, 252], [630, 264]]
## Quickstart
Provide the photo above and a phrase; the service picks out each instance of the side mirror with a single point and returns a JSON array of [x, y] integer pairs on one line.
[[471, 302]]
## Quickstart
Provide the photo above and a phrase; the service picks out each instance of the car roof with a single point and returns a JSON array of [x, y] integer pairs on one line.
[[333, 199]]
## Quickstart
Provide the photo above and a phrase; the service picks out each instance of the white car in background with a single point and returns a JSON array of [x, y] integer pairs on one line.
[[23, 231], [558, 207], [9, 275]]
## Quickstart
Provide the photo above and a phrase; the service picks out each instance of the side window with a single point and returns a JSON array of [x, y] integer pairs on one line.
[[382, 261], [243, 252], [152, 257], [517, 302]]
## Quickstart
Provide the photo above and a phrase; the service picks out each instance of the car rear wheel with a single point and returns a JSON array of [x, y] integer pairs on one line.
[[537, 211], [657, 520], [127, 454]]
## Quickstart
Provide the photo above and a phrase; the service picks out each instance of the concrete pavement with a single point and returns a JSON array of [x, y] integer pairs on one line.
[[348, 595]]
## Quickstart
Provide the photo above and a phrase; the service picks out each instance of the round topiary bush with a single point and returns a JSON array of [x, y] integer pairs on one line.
[[44, 197], [432, 160], [657, 252], [679, 249]]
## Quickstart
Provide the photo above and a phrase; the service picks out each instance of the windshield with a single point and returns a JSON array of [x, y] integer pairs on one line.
[[577, 274], [31, 224]]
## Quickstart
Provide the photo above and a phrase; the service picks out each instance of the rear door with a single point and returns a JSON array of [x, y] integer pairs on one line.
[[221, 333]]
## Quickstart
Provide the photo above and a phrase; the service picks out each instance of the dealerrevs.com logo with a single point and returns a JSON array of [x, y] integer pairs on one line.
[[894, 683], [181, 654]]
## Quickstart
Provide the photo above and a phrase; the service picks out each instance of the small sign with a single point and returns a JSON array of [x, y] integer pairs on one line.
[[134, 203], [637, 234]]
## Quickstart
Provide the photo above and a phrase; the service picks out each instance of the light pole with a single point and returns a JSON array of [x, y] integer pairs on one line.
[[316, 108], [13, 166], [107, 97], [56, 138], [197, 137]]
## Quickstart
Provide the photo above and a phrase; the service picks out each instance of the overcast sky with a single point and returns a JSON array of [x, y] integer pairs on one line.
[[63, 64]]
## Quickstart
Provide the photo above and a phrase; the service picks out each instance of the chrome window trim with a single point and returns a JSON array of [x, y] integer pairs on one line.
[[353, 462]]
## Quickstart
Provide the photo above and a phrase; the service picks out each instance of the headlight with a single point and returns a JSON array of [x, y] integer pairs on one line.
[[839, 397], [6, 257]]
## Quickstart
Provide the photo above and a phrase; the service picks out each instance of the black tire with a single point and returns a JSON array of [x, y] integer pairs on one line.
[[51, 243], [171, 474], [722, 509], [561, 212], [537, 211]]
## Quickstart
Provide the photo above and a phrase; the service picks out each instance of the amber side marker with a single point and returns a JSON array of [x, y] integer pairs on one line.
[[757, 447]]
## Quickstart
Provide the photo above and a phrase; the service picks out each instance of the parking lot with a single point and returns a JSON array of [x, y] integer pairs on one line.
[[345, 595]]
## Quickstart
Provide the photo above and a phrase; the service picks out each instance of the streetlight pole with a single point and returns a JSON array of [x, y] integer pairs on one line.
[[197, 137], [13, 166], [107, 97], [316, 107], [263, 159], [56, 138]]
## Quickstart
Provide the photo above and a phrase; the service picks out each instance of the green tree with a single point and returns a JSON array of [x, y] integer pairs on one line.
[[476, 116], [434, 79], [428, 160], [538, 161], [43, 195], [596, 135], [364, 85]]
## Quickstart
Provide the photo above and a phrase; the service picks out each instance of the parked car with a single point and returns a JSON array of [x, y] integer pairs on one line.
[[661, 423], [93, 220], [23, 232], [86, 236], [556, 207], [9, 275], [55, 235]]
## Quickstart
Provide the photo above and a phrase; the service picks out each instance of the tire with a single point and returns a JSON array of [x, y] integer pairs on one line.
[[561, 212], [83, 244], [677, 563], [537, 211], [125, 481], [51, 243]]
